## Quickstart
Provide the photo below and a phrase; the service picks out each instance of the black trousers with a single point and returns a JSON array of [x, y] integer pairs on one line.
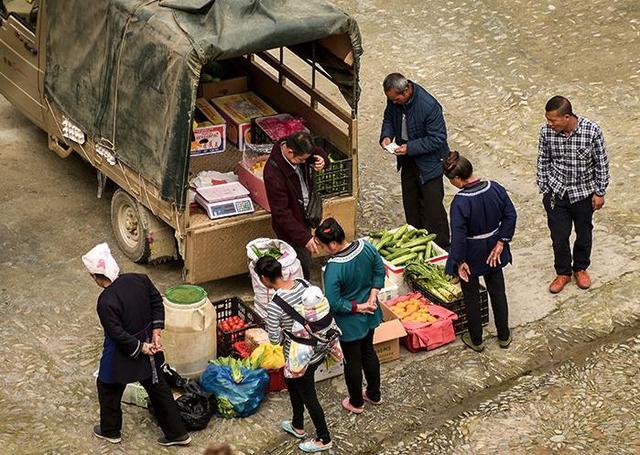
[[305, 260], [424, 202], [498, 298], [561, 218], [359, 356], [109, 396], [302, 393]]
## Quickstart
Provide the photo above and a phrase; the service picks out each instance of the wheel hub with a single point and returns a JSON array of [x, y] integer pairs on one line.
[[129, 225]]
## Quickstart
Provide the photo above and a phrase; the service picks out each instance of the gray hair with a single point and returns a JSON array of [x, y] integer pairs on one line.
[[396, 82]]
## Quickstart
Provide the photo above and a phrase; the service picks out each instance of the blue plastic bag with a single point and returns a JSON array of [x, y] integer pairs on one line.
[[235, 399]]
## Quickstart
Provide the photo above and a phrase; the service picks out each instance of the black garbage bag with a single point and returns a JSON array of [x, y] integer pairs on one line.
[[172, 377], [196, 407]]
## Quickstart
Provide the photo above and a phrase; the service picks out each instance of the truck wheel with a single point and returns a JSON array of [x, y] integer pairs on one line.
[[129, 228]]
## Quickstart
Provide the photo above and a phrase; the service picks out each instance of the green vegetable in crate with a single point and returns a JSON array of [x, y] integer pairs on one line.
[[433, 279], [403, 259], [403, 242], [400, 232]]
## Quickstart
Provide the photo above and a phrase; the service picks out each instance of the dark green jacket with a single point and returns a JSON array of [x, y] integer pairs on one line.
[[348, 279]]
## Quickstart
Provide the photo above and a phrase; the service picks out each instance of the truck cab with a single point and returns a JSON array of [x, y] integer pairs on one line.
[[20, 57]]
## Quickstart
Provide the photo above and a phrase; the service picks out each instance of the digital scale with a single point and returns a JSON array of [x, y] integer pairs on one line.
[[226, 199]]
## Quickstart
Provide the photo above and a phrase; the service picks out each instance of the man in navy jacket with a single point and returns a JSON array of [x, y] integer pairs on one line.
[[413, 119]]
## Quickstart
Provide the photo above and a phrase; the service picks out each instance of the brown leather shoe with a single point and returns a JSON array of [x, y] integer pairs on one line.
[[559, 283], [582, 279]]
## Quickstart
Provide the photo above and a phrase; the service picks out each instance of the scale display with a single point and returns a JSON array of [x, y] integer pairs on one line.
[[226, 208]]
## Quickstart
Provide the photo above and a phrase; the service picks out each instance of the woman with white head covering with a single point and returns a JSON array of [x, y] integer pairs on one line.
[[132, 315]]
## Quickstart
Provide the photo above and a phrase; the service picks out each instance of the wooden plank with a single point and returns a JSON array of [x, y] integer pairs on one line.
[[284, 100], [340, 46], [316, 95]]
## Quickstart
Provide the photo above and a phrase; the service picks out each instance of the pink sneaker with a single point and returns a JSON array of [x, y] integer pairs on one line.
[[369, 400], [349, 407]]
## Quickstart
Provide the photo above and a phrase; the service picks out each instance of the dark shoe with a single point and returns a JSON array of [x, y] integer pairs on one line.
[[183, 441], [582, 279], [504, 344], [98, 434], [559, 283], [466, 339]]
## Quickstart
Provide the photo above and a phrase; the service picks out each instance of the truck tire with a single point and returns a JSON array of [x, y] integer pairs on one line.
[[129, 228]]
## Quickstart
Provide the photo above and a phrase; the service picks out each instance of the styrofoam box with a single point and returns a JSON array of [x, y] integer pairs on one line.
[[394, 274]]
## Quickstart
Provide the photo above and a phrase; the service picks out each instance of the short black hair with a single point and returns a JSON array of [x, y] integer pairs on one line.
[[268, 267], [330, 231], [457, 165], [100, 276], [560, 104], [300, 143]]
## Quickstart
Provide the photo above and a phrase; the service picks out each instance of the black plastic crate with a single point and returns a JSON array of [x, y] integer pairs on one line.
[[336, 177], [225, 309], [458, 307]]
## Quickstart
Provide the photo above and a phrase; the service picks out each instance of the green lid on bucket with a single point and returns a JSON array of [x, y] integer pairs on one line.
[[185, 294]]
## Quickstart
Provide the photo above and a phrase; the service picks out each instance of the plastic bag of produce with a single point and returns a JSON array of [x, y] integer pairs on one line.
[[272, 356], [285, 254], [235, 398]]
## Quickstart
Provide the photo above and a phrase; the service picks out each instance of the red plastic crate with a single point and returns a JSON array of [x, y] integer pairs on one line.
[[276, 377], [276, 380], [227, 308]]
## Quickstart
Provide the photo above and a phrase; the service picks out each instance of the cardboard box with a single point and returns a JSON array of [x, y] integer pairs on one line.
[[323, 373], [386, 338], [239, 110], [209, 132], [208, 90], [254, 184]]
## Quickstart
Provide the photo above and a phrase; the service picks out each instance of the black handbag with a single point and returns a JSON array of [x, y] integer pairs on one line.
[[313, 211]]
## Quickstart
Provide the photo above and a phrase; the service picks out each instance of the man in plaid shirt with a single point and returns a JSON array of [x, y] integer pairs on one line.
[[573, 174]]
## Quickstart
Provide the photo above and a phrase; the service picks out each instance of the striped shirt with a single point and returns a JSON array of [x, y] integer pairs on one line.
[[278, 321]]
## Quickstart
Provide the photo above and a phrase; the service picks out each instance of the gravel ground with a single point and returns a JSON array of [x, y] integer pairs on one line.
[[590, 406], [492, 64]]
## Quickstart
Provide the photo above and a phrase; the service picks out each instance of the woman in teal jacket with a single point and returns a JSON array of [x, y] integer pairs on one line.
[[352, 279]]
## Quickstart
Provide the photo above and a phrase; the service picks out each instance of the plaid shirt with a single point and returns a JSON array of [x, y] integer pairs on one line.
[[576, 165]]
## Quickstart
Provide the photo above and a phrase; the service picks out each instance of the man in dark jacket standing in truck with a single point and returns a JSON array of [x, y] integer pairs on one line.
[[131, 312], [413, 120], [286, 177]]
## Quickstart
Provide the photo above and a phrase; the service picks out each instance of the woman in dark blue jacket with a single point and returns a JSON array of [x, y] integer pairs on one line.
[[483, 221]]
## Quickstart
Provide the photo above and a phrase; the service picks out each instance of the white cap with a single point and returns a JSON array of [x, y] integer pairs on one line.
[[99, 260]]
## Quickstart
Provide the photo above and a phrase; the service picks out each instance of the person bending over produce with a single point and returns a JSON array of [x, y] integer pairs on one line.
[[352, 279], [280, 323], [483, 221], [286, 177], [132, 315]]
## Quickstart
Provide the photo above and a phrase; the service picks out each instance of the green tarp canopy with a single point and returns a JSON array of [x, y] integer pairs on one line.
[[127, 71]]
